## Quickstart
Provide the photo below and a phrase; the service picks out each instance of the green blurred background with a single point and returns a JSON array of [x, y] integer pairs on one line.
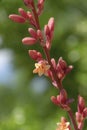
[[24, 97]]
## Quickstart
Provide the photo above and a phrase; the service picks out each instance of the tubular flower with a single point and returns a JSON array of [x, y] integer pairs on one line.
[[63, 125], [41, 68]]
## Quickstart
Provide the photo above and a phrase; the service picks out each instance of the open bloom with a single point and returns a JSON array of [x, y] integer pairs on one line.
[[63, 125], [41, 68]]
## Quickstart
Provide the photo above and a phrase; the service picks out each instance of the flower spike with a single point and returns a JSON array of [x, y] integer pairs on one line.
[[47, 66]]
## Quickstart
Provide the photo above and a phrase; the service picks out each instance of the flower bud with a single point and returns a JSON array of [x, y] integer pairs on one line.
[[79, 117], [39, 34], [81, 104], [28, 3], [40, 6], [85, 112], [29, 40], [51, 27], [60, 72], [35, 55], [54, 84], [46, 30], [23, 13], [63, 96], [69, 68], [31, 19], [17, 18], [54, 100], [62, 63], [53, 63], [62, 68], [51, 24], [32, 32]]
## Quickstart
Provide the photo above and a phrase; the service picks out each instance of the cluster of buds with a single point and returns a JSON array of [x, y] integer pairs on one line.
[[49, 30], [61, 68], [23, 17], [62, 100], [28, 16], [36, 34], [81, 114], [63, 125]]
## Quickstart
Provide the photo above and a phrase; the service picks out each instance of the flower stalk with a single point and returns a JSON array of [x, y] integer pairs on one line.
[[48, 67]]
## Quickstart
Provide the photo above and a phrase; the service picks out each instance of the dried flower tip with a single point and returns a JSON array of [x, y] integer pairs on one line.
[[41, 68], [23, 13], [32, 32], [28, 41], [17, 18], [35, 55]]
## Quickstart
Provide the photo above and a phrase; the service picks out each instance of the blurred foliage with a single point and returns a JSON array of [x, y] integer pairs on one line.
[[22, 106]]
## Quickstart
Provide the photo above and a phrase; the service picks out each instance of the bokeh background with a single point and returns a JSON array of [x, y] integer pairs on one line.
[[24, 97]]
